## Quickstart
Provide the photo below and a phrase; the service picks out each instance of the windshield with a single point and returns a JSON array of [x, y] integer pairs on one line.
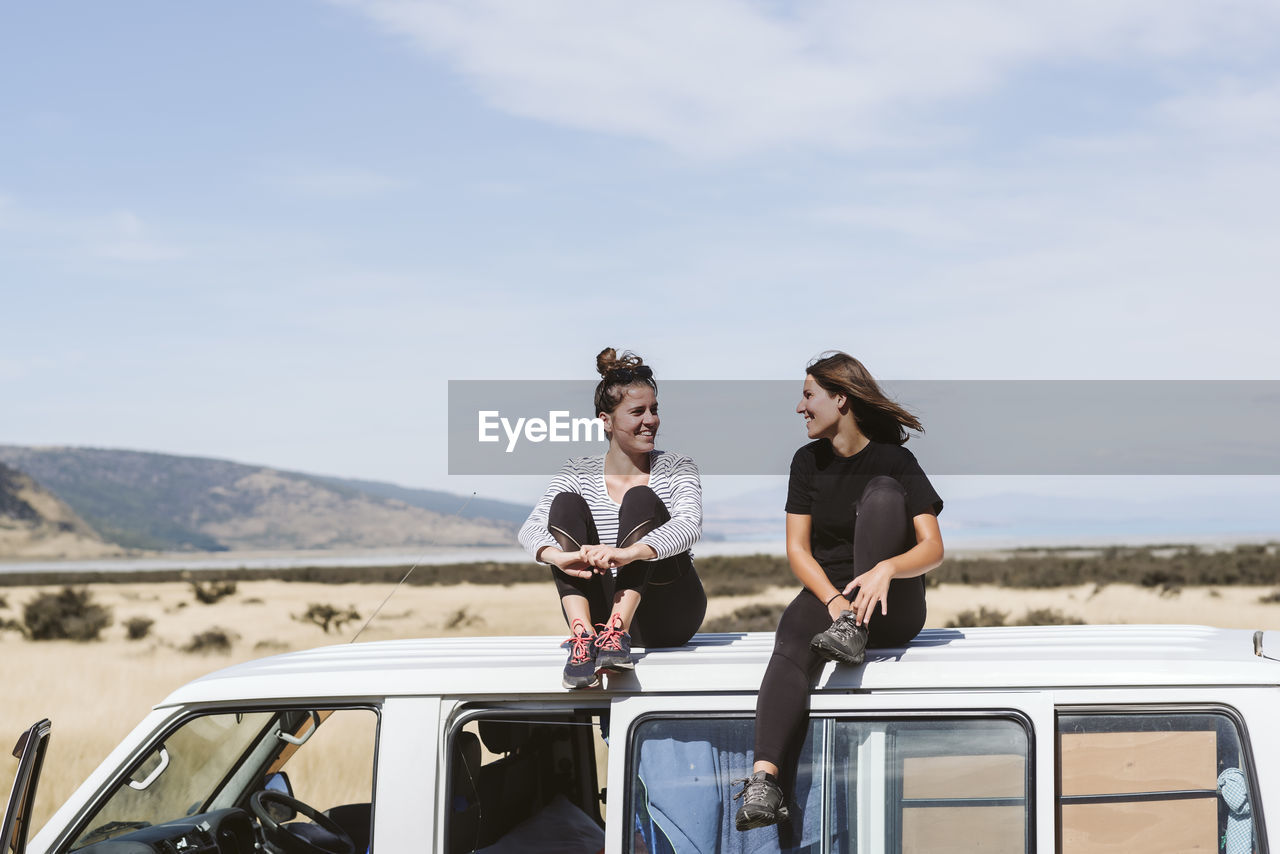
[[180, 776]]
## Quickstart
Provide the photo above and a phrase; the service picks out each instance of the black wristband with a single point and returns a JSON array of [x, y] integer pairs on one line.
[[832, 599]]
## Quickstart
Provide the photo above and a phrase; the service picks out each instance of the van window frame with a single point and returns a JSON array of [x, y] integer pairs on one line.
[[1018, 716], [467, 712], [1248, 765], [71, 832]]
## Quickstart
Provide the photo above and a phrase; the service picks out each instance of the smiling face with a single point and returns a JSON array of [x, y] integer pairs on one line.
[[821, 411], [633, 424]]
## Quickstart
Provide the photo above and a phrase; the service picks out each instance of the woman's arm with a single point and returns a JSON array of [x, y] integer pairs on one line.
[[806, 567], [536, 539], [684, 528], [873, 585], [677, 535]]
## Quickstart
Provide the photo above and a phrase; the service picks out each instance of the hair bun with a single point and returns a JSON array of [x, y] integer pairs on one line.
[[609, 360]]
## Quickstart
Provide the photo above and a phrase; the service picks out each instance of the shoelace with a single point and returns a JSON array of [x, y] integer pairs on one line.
[[844, 628], [610, 636], [755, 791], [580, 648]]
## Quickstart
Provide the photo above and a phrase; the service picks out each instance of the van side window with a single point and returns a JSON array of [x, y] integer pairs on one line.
[[200, 780], [522, 781], [1153, 782], [903, 786]]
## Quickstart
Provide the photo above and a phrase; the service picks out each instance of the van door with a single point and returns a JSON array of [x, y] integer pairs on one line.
[[29, 751], [877, 774]]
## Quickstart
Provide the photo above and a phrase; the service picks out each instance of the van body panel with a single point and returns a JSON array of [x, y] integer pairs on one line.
[[425, 689], [406, 781], [975, 659]]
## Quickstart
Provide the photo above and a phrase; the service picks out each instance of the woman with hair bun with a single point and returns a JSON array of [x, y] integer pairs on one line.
[[862, 530], [616, 530]]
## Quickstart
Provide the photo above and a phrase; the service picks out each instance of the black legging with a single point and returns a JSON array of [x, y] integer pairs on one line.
[[672, 601], [883, 530]]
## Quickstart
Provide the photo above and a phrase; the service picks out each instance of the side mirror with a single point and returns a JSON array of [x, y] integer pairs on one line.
[[279, 782]]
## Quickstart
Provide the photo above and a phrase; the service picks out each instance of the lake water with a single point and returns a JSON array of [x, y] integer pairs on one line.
[[288, 560]]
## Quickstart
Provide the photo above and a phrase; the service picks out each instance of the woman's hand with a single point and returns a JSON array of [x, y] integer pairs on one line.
[[873, 589], [570, 563], [610, 557]]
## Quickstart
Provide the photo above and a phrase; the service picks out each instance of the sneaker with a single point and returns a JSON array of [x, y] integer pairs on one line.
[[762, 802], [845, 641], [580, 669], [613, 647]]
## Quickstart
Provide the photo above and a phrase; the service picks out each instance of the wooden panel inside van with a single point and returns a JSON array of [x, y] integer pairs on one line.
[[942, 830], [984, 776], [1117, 763], [1150, 827], [1105, 763]]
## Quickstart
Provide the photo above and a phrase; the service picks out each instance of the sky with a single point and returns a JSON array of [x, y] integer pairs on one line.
[[274, 232]]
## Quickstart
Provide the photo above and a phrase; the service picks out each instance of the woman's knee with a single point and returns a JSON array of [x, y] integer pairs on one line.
[[641, 511], [642, 501], [882, 494], [568, 504]]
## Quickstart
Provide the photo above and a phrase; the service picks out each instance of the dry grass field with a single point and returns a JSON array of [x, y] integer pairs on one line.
[[95, 692]]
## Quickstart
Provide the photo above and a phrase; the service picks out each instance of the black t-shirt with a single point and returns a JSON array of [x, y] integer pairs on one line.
[[826, 486]]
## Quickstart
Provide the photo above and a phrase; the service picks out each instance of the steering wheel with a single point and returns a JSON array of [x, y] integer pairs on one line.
[[287, 836]]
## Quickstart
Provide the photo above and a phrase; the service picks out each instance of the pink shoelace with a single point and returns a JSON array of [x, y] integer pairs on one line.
[[610, 636], [579, 646]]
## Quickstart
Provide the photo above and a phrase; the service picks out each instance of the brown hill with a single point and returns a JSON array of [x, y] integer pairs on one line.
[[149, 501], [35, 524]]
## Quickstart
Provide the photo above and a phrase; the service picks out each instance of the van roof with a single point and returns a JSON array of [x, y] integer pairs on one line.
[[987, 658]]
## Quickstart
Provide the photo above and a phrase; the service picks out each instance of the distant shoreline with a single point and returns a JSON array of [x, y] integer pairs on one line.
[[967, 548]]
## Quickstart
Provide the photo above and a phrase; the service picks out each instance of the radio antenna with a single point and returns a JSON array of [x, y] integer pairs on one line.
[[399, 584]]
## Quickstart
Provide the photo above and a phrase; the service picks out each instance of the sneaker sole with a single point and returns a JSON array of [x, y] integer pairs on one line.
[[579, 684], [763, 819], [615, 667], [592, 684], [820, 646]]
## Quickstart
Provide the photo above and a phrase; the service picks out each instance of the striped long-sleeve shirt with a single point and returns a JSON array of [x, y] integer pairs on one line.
[[672, 476]]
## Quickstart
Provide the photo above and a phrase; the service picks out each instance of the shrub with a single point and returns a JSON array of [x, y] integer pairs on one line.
[[461, 619], [984, 616], [749, 618], [7, 625], [209, 592], [69, 614], [211, 640], [1272, 598], [1048, 617], [4, 603], [327, 616], [137, 628]]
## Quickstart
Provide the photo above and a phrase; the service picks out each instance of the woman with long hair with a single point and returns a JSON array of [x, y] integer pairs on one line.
[[616, 530], [862, 530]]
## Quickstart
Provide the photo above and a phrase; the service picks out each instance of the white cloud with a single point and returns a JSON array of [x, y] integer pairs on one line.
[[729, 76]]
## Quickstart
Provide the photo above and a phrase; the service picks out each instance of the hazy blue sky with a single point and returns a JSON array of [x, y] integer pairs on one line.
[[272, 232]]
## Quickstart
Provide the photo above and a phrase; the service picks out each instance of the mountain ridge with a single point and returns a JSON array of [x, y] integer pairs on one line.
[[35, 523], [144, 500]]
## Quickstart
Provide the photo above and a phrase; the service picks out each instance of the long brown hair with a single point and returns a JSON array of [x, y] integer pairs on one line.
[[612, 389], [878, 417]]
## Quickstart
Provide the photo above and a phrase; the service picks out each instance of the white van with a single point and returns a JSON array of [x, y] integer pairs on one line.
[[1075, 739]]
